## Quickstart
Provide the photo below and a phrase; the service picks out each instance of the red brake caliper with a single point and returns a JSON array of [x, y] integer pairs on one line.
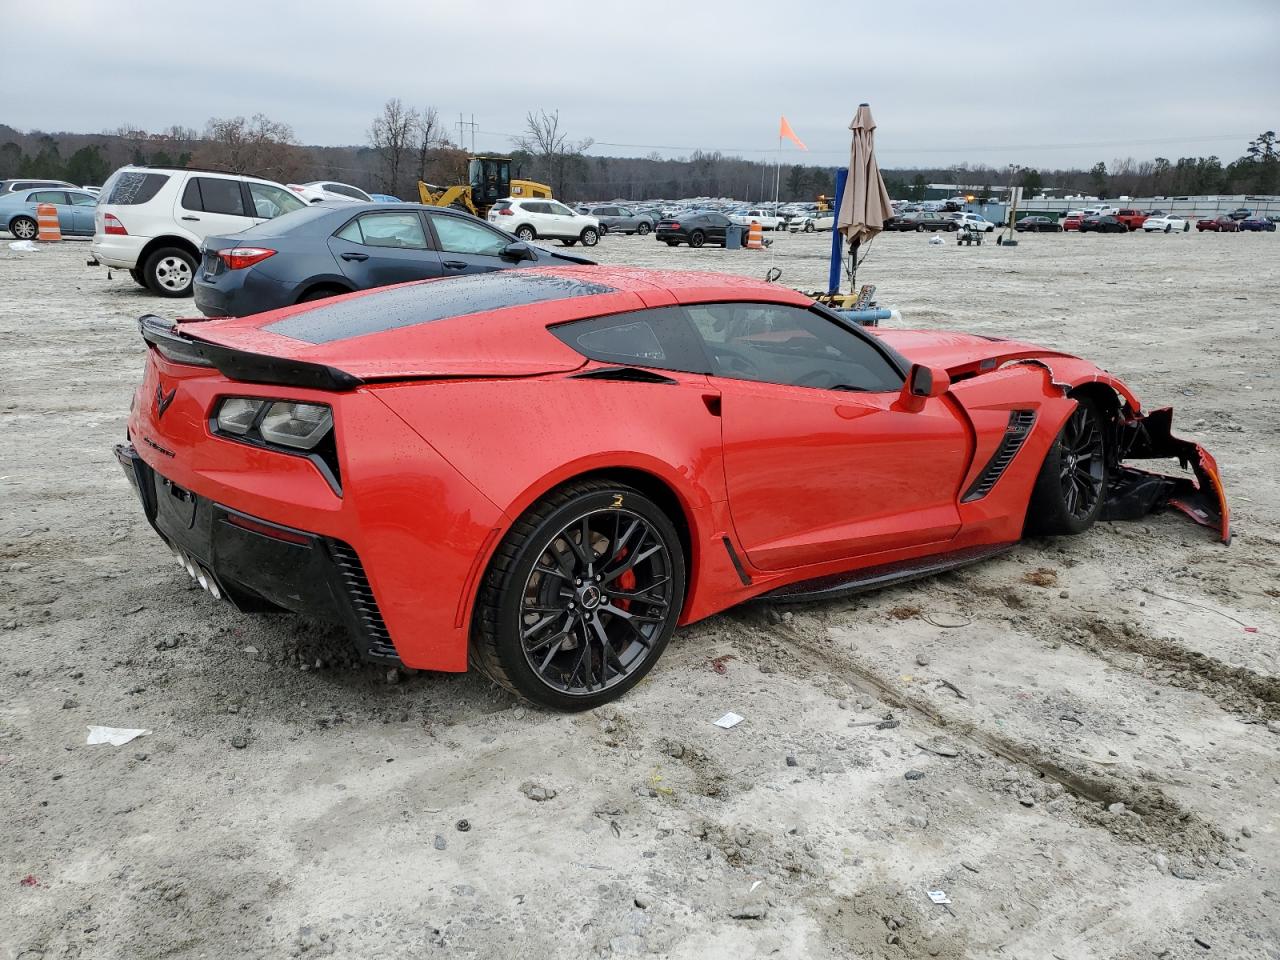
[[625, 582]]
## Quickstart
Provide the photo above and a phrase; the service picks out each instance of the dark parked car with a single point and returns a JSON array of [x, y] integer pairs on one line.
[[332, 248], [927, 220], [1107, 224], [615, 219], [1256, 223], [1038, 225], [1217, 225], [695, 229]]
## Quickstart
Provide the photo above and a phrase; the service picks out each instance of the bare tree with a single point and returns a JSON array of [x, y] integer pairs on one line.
[[393, 138], [551, 147], [261, 146], [429, 133]]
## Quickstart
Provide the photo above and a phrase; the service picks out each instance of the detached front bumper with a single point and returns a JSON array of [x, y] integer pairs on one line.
[[258, 565], [1134, 493]]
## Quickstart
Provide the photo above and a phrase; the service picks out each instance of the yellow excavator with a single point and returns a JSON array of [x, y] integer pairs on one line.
[[490, 182]]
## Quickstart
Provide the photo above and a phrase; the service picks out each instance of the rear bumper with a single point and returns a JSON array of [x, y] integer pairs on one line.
[[256, 564], [121, 252]]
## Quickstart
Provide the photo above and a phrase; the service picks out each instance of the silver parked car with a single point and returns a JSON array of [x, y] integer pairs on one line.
[[9, 186], [622, 220]]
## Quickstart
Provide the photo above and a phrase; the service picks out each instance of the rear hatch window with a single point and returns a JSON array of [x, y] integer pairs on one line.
[[502, 205], [131, 187]]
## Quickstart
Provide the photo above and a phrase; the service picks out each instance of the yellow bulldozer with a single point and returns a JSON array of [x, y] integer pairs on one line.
[[490, 181]]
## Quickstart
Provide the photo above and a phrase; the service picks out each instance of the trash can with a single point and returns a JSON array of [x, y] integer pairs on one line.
[[733, 236]]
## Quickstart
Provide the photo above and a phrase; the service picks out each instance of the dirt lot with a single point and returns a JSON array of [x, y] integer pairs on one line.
[[1084, 756]]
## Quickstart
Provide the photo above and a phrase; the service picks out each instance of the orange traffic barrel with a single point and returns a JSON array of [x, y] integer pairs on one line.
[[755, 236], [47, 221]]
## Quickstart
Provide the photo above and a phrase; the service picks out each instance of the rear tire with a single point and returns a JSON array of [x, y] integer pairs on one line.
[[1071, 488], [572, 628], [138, 277], [697, 238], [169, 272], [320, 293], [24, 228]]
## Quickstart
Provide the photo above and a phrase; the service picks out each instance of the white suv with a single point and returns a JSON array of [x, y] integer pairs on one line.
[[151, 221], [533, 219]]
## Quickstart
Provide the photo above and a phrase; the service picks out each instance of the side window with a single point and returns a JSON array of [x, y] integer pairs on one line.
[[49, 196], [343, 190], [270, 201], [658, 337], [457, 235], [775, 343], [559, 209], [535, 208], [400, 230], [214, 196], [84, 200]]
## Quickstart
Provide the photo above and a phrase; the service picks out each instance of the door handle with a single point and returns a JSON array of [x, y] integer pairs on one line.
[[190, 218], [455, 264], [355, 256]]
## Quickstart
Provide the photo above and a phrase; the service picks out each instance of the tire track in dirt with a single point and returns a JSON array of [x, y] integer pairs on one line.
[[1161, 822]]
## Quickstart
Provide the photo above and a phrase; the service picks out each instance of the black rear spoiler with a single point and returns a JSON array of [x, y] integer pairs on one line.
[[240, 364]]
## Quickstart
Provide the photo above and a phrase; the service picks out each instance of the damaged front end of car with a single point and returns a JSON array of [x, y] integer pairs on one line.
[[1133, 493]]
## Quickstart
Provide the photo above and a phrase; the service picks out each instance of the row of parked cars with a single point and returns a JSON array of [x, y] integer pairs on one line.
[[1154, 221]]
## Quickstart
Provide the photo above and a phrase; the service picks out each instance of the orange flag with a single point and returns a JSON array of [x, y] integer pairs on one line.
[[785, 131]]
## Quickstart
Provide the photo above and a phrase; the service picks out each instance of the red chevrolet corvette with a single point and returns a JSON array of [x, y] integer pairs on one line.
[[545, 472]]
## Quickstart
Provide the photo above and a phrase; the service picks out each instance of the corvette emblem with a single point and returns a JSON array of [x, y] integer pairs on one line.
[[163, 399]]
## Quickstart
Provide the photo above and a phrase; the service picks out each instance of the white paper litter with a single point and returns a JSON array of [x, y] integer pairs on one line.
[[729, 720], [936, 241], [938, 896], [24, 246], [116, 736]]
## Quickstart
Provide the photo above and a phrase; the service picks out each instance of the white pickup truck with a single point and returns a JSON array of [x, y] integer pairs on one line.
[[767, 221]]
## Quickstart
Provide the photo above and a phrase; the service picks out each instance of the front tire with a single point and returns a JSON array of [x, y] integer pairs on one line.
[[1071, 488], [581, 597], [169, 272], [526, 233], [643, 229], [590, 237]]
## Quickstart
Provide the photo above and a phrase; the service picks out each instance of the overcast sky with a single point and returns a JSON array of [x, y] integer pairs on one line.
[[1008, 81]]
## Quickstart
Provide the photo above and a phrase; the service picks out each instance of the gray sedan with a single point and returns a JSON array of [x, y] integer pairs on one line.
[[332, 248], [75, 211], [621, 220]]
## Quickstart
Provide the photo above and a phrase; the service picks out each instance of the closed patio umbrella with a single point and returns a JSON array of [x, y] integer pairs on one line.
[[865, 205]]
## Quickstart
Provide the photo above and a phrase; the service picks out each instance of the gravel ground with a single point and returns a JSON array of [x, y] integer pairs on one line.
[[1078, 743]]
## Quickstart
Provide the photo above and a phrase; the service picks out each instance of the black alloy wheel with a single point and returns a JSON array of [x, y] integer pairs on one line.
[[1082, 470], [582, 596], [697, 238], [1070, 490]]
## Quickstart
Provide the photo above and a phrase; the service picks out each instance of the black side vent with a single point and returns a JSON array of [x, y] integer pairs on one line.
[[625, 374], [364, 606], [1015, 434]]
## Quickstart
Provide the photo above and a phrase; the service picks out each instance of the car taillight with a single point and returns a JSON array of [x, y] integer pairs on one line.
[[508, 212], [674, 225], [237, 258], [111, 225]]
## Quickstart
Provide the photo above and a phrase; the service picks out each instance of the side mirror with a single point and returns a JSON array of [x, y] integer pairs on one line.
[[922, 383], [515, 252]]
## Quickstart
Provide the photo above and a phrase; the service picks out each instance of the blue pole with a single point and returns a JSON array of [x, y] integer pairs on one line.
[[837, 241]]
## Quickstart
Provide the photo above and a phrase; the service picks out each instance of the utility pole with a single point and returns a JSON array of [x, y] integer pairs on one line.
[[462, 138]]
